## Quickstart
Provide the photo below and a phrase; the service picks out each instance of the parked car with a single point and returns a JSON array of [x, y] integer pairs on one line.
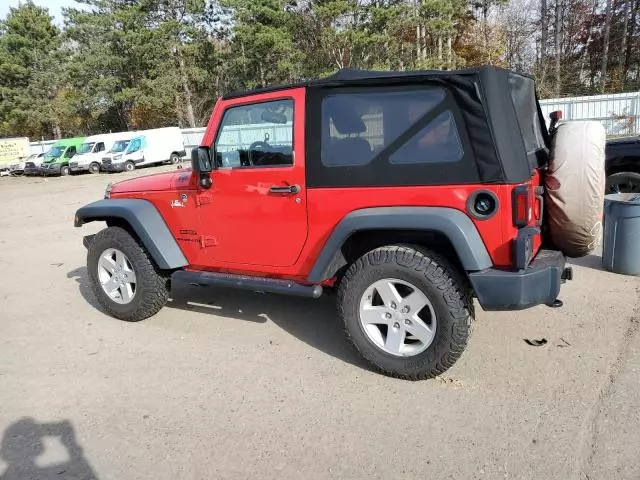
[[56, 160], [33, 161], [93, 149], [32, 165], [623, 165], [148, 147], [409, 192]]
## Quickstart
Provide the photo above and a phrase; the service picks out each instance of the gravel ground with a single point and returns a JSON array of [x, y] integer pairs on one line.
[[226, 384]]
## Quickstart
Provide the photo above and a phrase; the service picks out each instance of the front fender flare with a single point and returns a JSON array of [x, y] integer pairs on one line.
[[146, 222], [454, 224]]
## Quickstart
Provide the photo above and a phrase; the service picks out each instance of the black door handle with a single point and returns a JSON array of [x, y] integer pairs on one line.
[[287, 189]]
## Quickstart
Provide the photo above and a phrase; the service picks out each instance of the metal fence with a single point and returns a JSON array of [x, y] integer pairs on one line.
[[619, 113]]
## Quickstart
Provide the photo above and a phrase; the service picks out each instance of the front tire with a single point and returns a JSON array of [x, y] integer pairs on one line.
[[65, 170], [94, 168], [407, 310], [129, 167], [125, 280]]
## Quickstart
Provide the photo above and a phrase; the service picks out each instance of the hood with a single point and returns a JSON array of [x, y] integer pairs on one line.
[[155, 182]]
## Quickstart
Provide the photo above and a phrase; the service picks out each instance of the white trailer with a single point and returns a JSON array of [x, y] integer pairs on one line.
[[148, 147], [95, 147]]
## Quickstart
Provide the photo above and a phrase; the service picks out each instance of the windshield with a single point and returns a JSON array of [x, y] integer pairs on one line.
[[55, 152], [120, 146], [85, 148]]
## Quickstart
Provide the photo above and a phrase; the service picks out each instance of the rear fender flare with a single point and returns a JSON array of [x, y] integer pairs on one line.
[[146, 222], [454, 224]]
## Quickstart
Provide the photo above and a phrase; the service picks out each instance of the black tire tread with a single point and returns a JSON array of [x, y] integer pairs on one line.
[[439, 272], [153, 283]]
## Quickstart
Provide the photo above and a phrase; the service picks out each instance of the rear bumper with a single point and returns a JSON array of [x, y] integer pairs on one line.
[[538, 284]]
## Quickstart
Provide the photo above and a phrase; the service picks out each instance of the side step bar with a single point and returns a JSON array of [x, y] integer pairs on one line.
[[257, 284]]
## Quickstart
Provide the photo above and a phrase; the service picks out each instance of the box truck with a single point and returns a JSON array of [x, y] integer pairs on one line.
[[12, 150], [90, 153], [148, 147]]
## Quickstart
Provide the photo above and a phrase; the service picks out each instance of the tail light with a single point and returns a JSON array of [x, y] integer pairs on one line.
[[522, 206]]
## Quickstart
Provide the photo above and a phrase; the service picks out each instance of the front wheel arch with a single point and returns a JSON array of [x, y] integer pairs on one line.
[[143, 219]]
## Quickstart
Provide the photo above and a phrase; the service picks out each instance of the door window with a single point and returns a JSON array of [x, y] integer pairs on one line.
[[135, 145], [99, 147], [71, 151], [256, 135]]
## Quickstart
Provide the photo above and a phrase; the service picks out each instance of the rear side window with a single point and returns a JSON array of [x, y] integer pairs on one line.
[[523, 96], [357, 127], [99, 147]]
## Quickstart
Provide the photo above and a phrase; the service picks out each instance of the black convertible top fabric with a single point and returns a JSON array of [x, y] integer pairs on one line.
[[492, 102]]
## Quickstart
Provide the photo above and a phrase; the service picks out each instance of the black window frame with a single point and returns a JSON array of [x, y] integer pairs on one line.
[[380, 172], [68, 149], [249, 103]]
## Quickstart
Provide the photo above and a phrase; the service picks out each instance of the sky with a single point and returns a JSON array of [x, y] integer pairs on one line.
[[54, 6]]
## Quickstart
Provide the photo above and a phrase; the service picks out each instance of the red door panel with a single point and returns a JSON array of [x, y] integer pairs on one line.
[[246, 223]]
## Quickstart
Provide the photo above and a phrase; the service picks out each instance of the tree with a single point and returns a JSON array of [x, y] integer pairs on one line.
[[29, 72]]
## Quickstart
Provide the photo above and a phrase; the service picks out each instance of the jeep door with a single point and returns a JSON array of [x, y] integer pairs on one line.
[[257, 212]]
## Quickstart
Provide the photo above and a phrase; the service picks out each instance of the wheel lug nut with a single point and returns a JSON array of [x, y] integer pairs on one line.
[[407, 322], [387, 316], [405, 309], [396, 325], [393, 305]]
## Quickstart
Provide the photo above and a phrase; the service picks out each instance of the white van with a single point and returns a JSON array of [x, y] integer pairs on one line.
[[90, 153], [148, 147]]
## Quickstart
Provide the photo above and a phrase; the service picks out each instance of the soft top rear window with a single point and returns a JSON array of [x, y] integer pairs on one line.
[[523, 96]]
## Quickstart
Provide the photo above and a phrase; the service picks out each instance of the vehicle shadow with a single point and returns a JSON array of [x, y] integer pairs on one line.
[[31, 451], [81, 277], [588, 261], [314, 322]]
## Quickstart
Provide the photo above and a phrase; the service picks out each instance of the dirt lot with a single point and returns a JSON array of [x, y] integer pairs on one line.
[[227, 385]]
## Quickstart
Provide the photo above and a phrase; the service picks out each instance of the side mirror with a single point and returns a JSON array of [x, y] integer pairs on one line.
[[201, 165]]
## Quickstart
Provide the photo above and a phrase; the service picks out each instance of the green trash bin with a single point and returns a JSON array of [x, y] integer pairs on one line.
[[621, 246]]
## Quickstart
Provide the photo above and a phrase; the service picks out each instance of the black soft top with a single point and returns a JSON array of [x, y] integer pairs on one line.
[[500, 108]]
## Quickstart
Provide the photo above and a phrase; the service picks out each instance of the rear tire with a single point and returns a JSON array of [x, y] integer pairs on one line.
[[623, 182], [174, 159], [433, 335], [94, 168], [129, 167], [152, 285]]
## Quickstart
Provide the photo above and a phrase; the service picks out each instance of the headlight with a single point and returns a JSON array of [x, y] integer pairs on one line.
[[107, 191], [117, 157]]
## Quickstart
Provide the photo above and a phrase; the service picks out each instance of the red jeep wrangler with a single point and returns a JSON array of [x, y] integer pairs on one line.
[[411, 193]]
